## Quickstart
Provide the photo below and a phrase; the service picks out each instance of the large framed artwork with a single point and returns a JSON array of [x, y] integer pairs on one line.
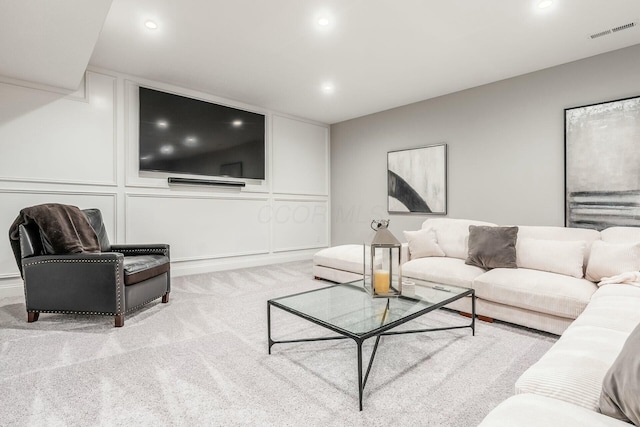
[[417, 180], [602, 164]]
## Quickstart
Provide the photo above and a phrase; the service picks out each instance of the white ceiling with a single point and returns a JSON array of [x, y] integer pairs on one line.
[[49, 42], [379, 54]]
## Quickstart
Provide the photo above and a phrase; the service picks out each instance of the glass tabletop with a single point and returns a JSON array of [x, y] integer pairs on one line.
[[351, 308]]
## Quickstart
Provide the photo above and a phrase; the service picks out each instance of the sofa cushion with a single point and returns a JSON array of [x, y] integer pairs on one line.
[[422, 243], [560, 233], [142, 267], [620, 234], [535, 290], [449, 271], [615, 307], [620, 397], [492, 247], [344, 257], [610, 259], [554, 256], [453, 234], [530, 410], [574, 368]]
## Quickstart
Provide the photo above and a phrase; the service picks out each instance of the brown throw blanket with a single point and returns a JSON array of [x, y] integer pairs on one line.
[[64, 227]]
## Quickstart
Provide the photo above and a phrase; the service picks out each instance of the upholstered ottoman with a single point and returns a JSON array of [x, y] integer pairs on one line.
[[340, 264]]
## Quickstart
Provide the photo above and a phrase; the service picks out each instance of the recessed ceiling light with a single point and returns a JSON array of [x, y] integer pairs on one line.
[[162, 124], [191, 141], [151, 25], [167, 149], [323, 22], [327, 88], [544, 4], [236, 123]]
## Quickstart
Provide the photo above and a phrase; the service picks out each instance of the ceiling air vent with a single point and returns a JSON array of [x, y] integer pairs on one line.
[[613, 30], [623, 27], [600, 34]]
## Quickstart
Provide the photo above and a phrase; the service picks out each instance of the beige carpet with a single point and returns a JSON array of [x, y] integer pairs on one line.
[[202, 360]]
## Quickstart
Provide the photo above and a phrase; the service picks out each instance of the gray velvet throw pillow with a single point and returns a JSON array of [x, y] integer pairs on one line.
[[492, 247], [620, 396]]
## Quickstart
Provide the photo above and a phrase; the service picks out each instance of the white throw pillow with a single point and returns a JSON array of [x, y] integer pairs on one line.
[[611, 259], [555, 256], [423, 243]]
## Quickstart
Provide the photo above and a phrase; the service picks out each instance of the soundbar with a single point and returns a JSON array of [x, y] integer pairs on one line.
[[214, 182]]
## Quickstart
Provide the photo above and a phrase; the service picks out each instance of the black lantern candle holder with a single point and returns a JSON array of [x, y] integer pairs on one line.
[[383, 274]]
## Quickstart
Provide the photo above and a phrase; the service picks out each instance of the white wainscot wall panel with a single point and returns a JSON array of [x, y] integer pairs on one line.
[[47, 137], [198, 228], [299, 224], [13, 201], [300, 157]]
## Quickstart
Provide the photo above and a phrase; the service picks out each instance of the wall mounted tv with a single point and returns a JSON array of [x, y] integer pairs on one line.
[[189, 136]]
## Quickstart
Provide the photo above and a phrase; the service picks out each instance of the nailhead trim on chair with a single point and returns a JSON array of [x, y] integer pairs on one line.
[[164, 250], [96, 312], [50, 261], [118, 295], [74, 312], [99, 261]]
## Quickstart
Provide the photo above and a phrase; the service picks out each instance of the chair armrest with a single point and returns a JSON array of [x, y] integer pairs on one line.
[[147, 249], [91, 283]]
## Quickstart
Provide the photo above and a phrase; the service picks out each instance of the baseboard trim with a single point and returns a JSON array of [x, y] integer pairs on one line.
[[12, 290], [207, 266]]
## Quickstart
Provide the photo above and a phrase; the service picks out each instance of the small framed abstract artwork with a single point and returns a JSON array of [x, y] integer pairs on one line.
[[602, 164], [417, 180]]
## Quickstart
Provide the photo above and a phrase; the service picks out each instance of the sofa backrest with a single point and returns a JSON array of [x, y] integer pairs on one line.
[[561, 234], [453, 234], [621, 234], [616, 254]]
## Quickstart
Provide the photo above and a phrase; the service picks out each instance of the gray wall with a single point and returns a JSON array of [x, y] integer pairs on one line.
[[505, 142]]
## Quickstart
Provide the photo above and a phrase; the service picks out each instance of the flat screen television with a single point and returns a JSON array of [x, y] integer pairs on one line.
[[190, 136]]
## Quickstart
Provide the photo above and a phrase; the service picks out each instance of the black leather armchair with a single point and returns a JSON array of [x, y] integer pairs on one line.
[[117, 280]]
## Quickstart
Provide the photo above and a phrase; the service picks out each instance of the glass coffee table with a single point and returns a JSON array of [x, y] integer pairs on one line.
[[350, 311]]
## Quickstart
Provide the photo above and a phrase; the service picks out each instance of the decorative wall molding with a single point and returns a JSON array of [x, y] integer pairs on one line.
[[129, 198], [84, 96], [58, 181], [198, 227], [300, 198], [292, 140], [298, 224], [215, 196], [34, 86]]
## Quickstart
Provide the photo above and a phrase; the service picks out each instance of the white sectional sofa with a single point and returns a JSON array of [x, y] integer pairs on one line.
[[546, 291], [554, 289]]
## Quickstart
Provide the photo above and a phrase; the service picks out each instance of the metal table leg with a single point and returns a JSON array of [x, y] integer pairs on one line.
[[360, 383], [269, 326], [473, 314]]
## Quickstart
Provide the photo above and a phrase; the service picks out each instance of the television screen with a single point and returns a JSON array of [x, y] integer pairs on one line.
[[186, 135]]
